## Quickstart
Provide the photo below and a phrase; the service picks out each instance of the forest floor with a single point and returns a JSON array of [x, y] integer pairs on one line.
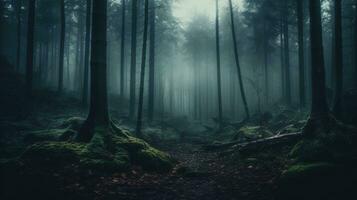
[[198, 174]]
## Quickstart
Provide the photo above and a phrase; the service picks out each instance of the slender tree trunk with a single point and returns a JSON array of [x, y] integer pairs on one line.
[[61, 54], [319, 109], [282, 57], [287, 56], [122, 51], [338, 65], [152, 62], [142, 72], [355, 46], [301, 53], [18, 49], [87, 53], [98, 109], [30, 46], [2, 7], [266, 83], [133, 59], [218, 57], [236, 56]]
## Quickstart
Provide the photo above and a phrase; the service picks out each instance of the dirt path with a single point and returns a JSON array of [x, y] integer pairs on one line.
[[199, 175]]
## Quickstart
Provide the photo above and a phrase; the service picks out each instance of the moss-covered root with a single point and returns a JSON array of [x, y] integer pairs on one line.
[[317, 181]]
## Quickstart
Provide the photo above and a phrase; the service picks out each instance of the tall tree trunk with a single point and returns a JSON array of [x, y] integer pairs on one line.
[[319, 109], [236, 56], [30, 46], [287, 55], [133, 59], [265, 45], [218, 57], [301, 53], [2, 7], [338, 65], [355, 45], [152, 62], [98, 109], [282, 57], [61, 54], [122, 51], [18, 18], [142, 72], [87, 53]]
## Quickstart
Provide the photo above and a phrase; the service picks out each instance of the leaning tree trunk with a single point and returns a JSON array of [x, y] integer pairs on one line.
[[133, 59], [122, 51], [87, 53], [98, 110], [319, 115], [61, 55], [301, 53], [152, 61], [142, 72], [241, 86], [218, 57], [30, 46], [338, 65]]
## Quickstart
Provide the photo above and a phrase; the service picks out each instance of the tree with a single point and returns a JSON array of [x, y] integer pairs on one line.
[[319, 115], [338, 64], [87, 53], [133, 59], [355, 43], [122, 51], [62, 35], [287, 53], [301, 52], [142, 71], [30, 46], [237, 61], [218, 57], [152, 61], [98, 116], [18, 19]]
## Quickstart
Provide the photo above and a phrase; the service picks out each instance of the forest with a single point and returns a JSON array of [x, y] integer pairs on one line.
[[178, 99]]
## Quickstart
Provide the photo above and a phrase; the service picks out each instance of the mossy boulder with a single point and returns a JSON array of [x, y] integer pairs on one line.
[[252, 133], [319, 180]]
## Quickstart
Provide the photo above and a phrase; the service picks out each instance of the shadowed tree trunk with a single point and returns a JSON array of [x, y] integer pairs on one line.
[[152, 61], [287, 54], [133, 59], [218, 57], [319, 115], [338, 65], [122, 51], [18, 48], [30, 46], [355, 44], [1, 22], [265, 46], [87, 53], [236, 56], [98, 110], [142, 72], [282, 57], [61, 56], [301, 53]]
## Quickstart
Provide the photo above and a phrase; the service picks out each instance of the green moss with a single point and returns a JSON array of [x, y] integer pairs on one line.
[[311, 150], [107, 152], [49, 135], [252, 132]]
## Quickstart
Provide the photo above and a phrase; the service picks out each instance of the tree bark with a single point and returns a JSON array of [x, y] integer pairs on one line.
[[122, 51], [18, 18], [152, 61], [30, 46], [287, 55], [61, 56], [142, 72], [236, 56], [87, 53], [133, 59], [98, 109], [319, 109], [355, 46], [338, 65], [218, 57], [301, 53]]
